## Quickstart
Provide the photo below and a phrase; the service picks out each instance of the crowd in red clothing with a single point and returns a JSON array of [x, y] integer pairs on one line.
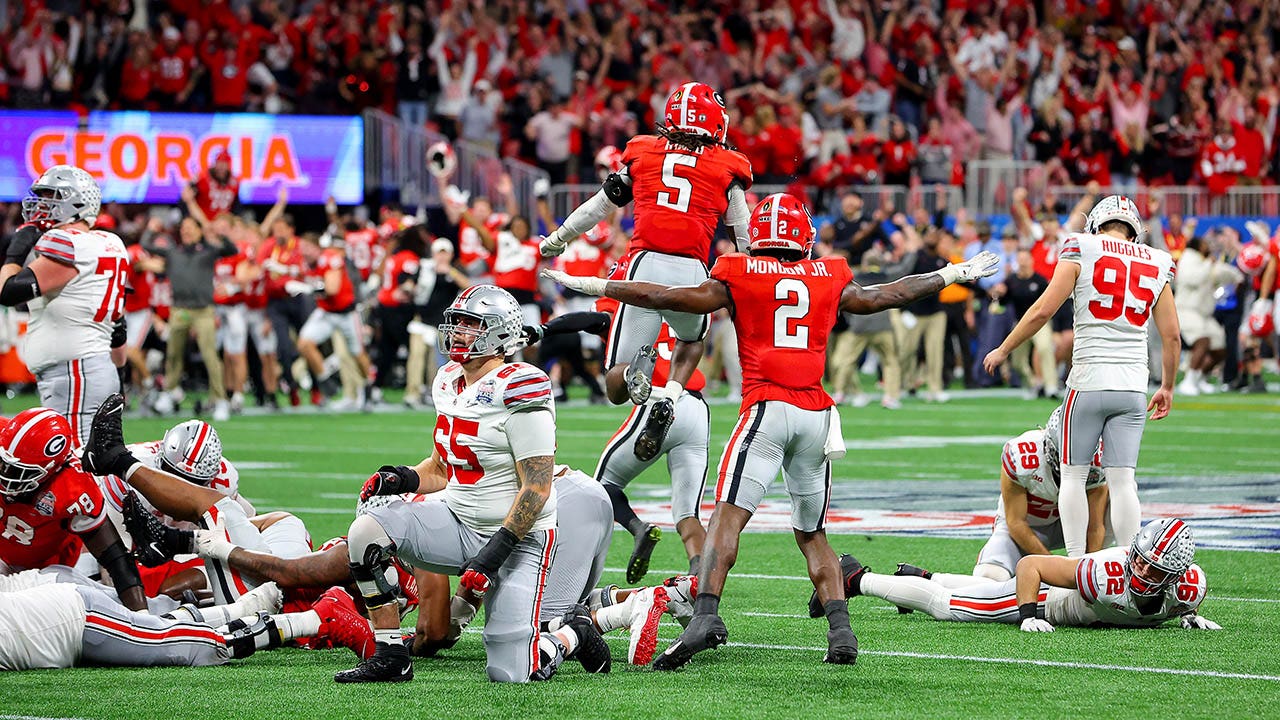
[[829, 92]]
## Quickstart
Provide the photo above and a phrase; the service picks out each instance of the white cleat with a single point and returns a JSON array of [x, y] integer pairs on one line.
[[681, 590], [164, 404], [267, 597], [1188, 387], [647, 608], [860, 400], [221, 411]]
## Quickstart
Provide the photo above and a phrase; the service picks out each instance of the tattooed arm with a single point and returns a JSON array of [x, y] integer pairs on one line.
[[535, 488]]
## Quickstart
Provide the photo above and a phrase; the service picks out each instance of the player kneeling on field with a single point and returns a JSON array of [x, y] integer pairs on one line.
[[1152, 581]]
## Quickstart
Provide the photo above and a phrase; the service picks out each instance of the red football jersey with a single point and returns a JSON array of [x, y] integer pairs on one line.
[[680, 194], [138, 281], [173, 68], [215, 198], [345, 299], [286, 264], [45, 531], [402, 263], [515, 266], [226, 291], [364, 247], [783, 314]]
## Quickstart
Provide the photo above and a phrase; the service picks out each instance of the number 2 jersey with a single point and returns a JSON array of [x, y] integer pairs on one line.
[[75, 322], [44, 530], [471, 438], [680, 194], [1023, 460], [1118, 285], [783, 313], [1102, 595]]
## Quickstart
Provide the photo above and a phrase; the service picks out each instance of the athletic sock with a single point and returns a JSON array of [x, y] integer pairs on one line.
[[568, 638], [837, 612], [614, 617], [1126, 511], [299, 624], [706, 604], [1073, 506], [622, 512], [388, 635], [221, 614]]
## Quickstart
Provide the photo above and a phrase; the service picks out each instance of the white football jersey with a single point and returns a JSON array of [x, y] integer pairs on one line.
[[227, 482], [41, 623], [75, 322], [1118, 286], [1102, 595], [470, 436], [1024, 461]]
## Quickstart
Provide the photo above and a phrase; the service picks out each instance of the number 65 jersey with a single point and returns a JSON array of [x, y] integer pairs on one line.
[[1118, 285], [75, 322], [471, 438], [1102, 595]]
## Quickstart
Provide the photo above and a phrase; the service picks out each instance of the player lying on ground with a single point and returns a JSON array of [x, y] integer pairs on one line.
[[1116, 283], [685, 446], [1150, 582], [50, 508], [788, 422], [683, 180]]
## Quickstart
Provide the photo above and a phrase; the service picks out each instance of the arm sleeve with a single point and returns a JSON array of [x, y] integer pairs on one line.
[[532, 434], [585, 217], [22, 287], [737, 215], [596, 323]]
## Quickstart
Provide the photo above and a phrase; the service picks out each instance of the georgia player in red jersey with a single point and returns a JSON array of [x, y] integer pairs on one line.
[[335, 312], [49, 505], [213, 193], [683, 180], [787, 422]]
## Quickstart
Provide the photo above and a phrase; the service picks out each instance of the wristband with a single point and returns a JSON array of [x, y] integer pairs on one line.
[[1027, 611]]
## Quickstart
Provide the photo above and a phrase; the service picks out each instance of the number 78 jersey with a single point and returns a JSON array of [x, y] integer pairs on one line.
[[783, 313], [1118, 285], [75, 322]]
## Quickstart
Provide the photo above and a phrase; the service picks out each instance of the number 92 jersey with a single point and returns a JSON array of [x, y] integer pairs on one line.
[[75, 322], [1023, 460], [1118, 285], [471, 438], [1102, 595], [42, 531]]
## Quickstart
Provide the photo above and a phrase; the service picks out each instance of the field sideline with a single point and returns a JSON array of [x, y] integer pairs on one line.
[[917, 485]]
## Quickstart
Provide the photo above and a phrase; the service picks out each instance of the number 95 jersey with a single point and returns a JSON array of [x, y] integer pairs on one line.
[[1102, 595], [471, 438], [75, 322]]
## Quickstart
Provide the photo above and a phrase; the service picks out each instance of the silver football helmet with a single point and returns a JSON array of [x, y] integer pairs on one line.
[[1160, 553], [1116, 207], [63, 194], [192, 451], [483, 321]]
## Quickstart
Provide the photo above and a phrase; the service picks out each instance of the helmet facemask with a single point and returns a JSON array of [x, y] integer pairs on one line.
[[18, 478], [1159, 554], [467, 336]]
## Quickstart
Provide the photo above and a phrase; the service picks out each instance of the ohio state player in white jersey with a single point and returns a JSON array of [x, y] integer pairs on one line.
[[1117, 284], [75, 288]]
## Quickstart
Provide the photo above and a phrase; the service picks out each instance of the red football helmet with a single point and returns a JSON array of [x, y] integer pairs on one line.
[[699, 109], [1252, 259], [608, 161], [34, 443], [780, 221], [1261, 323]]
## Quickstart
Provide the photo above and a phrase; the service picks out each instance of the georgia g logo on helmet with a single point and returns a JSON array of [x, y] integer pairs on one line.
[[55, 446]]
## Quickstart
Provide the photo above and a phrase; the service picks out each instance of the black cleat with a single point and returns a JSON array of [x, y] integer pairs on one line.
[[704, 633], [649, 442], [390, 663], [850, 569], [104, 451], [907, 570], [592, 651], [638, 563], [638, 374], [154, 542], [842, 647]]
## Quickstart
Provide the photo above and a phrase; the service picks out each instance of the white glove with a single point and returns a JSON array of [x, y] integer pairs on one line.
[[585, 285], [979, 266], [1261, 307], [461, 613], [213, 545], [1192, 621], [1036, 625], [541, 187], [552, 245], [297, 287]]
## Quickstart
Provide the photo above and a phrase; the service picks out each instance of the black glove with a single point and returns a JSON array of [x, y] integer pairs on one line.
[[390, 480], [119, 334], [20, 244], [479, 572], [533, 334]]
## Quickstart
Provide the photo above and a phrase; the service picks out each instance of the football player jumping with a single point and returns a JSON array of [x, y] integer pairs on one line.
[[1117, 283], [788, 423], [682, 180], [1150, 582], [75, 289]]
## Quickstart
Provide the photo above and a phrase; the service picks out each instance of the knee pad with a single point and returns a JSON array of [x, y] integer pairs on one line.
[[369, 550], [991, 572]]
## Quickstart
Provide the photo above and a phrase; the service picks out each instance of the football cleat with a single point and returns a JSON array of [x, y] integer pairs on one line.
[[681, 590], [639, 374], [852, 571], [654, 433], [342, 624], [704, 633], [154, 542], [592, 651], [647, 608], [267, 597], [104, 450], [638, 563], [842, 647], [908, 570], [389, 663]]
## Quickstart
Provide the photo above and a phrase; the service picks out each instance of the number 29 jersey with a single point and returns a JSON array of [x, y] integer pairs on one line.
[[470, 436], [783, 313], [680, 194], [1024, 461], [1102, 595], [75, 322], [1118, 285]]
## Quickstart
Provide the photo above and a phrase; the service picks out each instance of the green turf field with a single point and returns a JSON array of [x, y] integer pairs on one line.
[[1213, 459]]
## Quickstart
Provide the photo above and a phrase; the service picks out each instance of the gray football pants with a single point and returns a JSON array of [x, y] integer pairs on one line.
[[686, 449], [77, 388], [116, 635], [1116, 417], [582, 542]]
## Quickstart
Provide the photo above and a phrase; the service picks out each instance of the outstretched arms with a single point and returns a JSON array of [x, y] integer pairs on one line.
[[702, 299]]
